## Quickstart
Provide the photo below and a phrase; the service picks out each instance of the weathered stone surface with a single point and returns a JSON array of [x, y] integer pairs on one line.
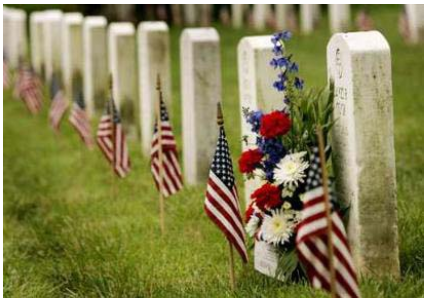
[[123, 67], [95, 61], [339, 17], [52, 25], [72, 50], [255, 86], [362, 139], [201, 91], [153, 60], [415, 15], [36, 41]]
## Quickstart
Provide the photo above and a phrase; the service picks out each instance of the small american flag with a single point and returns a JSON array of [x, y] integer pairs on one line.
[[58, 106], [111, 140], [79, 119], [312, 238], [28, 88], [172, 177], [222, 201]]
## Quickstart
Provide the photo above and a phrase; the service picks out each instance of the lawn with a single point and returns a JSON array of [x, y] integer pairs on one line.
[[71, 230]]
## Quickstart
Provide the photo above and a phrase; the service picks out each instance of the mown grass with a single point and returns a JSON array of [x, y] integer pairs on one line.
[[71, 230]]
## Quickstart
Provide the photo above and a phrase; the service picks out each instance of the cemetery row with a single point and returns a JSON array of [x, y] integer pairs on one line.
[[358, 65]]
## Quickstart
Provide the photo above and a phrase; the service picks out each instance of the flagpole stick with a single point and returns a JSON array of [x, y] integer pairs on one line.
[[160, 161], [220, 122], [328, 211], [113, 138]]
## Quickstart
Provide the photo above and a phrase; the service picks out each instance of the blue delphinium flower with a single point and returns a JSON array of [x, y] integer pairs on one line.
[[277, 50], [293, 67], [286, 35], [283, 77], [272, 147], [286, 100], [298, 83], [279, 85], [254, 119], [283, 62]]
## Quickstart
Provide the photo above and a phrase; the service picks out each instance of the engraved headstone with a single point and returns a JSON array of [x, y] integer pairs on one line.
[[16, 43], [95, 63], [201, 91], [72, 50], [359, 66], [339, 17], [255, 88], [123, 67], [153, 60]]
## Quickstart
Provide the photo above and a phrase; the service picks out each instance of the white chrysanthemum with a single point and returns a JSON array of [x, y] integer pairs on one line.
[[278, 227], [290, 170], [252, 226]]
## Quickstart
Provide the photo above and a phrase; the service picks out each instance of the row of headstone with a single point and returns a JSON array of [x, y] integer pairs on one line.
[[415, 18], [359, 65]]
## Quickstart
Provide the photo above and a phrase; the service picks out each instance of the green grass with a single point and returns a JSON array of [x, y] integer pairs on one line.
[[66, 233]]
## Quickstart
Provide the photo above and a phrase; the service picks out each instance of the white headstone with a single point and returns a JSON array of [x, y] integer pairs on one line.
[[308, 17], [16, 37], [359, 65], [261, 13], [205, 12], [281, 14], [37, 38], [153, 60], [123, 67], [190, 14], [256, 78], [237, 15], [339, 17], [201, 91], [415, 15], [6, 32], [72, 50], [95, 61], [52, 49]]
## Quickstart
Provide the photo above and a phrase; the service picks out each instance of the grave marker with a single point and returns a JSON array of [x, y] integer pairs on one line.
[[72, 50], [256, 92], [52, 46], [122, 64], [415, 15], [36, 41], [339, 17], [153, 60], [201, 91], [308, 17], [359, 65], [190, 14], [16, 37], [95, 63], [237, 15]]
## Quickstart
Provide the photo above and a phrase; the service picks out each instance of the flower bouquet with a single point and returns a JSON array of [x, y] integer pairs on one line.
[[280, 159]]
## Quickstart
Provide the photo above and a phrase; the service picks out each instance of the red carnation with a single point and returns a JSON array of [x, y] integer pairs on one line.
[[266, 197], [275, 124], [249, 160]]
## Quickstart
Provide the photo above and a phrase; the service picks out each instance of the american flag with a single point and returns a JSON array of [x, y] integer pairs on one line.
[[58, 106], [171, 176], [79, 119], [28, 88], [111, 140], [312, 238], [222, 201]]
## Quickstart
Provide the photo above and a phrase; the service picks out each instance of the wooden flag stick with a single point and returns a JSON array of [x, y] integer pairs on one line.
[[113, 138], [220, 122], [328, 211], [160, 161]]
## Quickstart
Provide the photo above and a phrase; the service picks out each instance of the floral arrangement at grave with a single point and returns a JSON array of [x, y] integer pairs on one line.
[[279, 158]]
